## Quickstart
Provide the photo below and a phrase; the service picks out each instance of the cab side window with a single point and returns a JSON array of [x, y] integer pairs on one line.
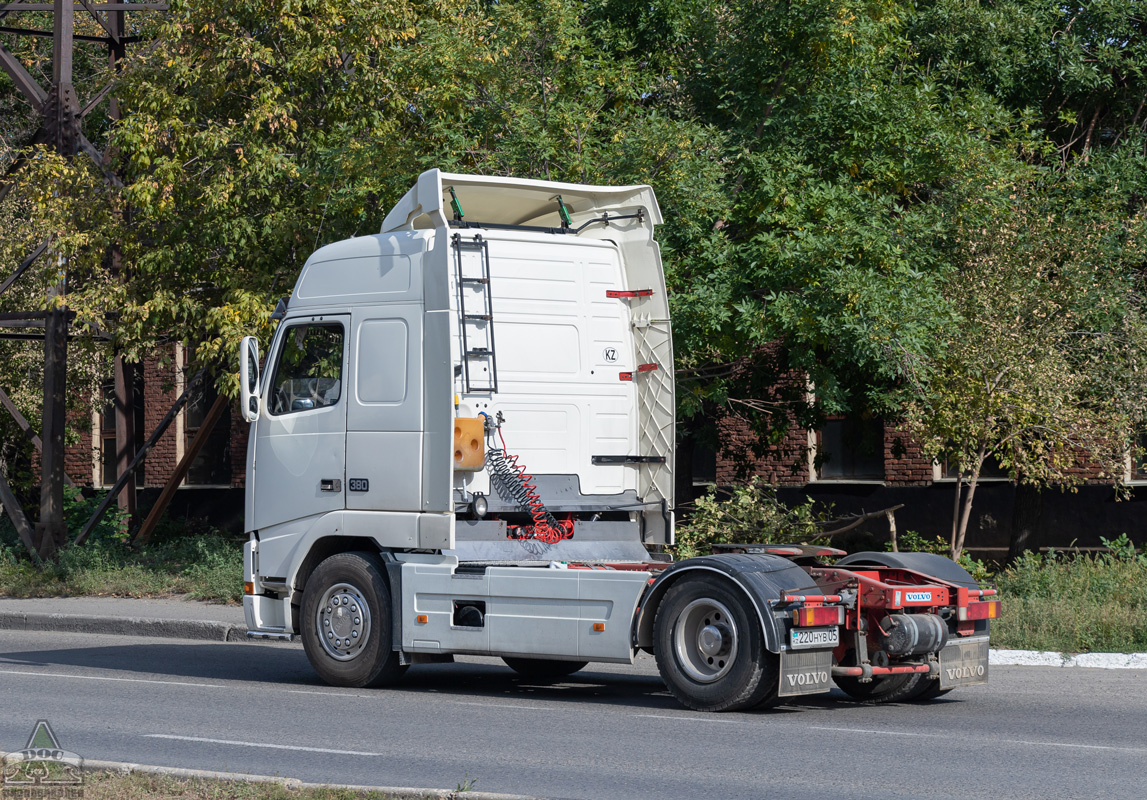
[[308, 374]]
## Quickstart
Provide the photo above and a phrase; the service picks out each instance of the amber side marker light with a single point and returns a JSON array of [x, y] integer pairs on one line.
[[248, 587], [421, 619], [599, 626]]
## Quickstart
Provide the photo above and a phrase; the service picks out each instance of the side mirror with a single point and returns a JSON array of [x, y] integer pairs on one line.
[[249, 378]]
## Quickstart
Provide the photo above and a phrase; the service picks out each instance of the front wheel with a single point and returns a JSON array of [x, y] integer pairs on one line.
[[346, 625], [710, 648]]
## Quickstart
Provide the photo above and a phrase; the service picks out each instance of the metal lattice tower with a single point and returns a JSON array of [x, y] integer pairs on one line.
[[61, 127]]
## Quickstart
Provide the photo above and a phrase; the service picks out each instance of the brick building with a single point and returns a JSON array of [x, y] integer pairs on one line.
[[866, 466], [211, 488], [855, 466]]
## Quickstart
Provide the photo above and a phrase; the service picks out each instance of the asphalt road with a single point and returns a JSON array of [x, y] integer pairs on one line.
[[607, 732]]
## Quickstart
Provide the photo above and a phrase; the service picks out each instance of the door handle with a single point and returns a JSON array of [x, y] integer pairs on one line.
[[330, 485]]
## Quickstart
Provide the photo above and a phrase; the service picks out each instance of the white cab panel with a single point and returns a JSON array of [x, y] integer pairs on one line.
[[384, 414], [561, 347], [386, 368], [365, 269], [391, 463]]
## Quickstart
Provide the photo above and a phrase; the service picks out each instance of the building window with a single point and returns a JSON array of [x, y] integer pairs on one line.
[[704, 465], [1139, 458], [212, 464], [991, 469], [106, 435], [850, 450]]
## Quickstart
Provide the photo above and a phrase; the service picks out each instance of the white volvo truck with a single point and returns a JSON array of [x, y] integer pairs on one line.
[[462, 443]]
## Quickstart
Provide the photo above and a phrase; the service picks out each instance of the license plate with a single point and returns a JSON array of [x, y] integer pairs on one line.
[[964, 663], [802, 638]]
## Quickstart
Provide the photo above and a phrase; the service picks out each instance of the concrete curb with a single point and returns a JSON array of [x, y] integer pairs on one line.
[[203, 630], [125, 768], [1034, 658]]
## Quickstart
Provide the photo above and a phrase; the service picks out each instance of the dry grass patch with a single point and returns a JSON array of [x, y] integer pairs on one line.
[[141, 786]]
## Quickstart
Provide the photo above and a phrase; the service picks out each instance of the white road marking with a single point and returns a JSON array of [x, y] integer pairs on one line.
[[1025, 742], [707, 718], [108, 678], [329, 693], [259, 744], [863, 730], [166, 683]]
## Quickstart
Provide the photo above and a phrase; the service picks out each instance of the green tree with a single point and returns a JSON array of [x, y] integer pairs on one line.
[[845, 171], [1045, 369]]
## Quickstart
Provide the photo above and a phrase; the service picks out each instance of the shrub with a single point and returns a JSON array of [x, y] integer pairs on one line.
[[78, 510], [751, 513], [184, 557], [1075, 604]]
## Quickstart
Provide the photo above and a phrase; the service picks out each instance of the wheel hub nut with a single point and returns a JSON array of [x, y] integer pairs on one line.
[[710, 640]]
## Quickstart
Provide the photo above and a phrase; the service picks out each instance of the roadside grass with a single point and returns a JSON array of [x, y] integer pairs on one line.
[[141, 786], [205, 567], [1086, 603], [183, 557]]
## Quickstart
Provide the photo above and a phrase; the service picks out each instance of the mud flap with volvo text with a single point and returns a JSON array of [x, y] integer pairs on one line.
[[805, 672], [964, 662]]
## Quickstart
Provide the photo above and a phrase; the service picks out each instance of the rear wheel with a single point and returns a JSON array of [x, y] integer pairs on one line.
[[882, 689], [346, 624], [543, 668], [888, 689], [924, 688], [710, 649]]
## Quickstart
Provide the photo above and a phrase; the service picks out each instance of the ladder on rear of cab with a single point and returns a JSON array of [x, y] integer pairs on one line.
[[472, 276]]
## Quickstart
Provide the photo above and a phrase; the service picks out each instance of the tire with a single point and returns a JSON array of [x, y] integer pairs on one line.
[[889, 689], [924, 688], [347, 601], [710, 649], [542, 667]]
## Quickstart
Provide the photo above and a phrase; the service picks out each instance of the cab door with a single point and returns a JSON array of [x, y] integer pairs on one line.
[[384, 409], [300, 448]]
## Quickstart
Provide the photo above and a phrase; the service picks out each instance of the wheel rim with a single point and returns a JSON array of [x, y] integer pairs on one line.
[[705, 640], [343, 621]]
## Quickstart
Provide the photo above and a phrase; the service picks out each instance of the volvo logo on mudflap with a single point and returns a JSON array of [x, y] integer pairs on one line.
[[805, 672], [964, 663], [955, 673], [807, 678]]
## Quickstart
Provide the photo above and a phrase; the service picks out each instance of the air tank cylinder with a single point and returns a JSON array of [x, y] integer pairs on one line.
[[912, 634]]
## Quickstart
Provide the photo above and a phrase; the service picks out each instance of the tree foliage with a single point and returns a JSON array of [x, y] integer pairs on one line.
[[749, 514], [1046, 369], [834, 175]]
